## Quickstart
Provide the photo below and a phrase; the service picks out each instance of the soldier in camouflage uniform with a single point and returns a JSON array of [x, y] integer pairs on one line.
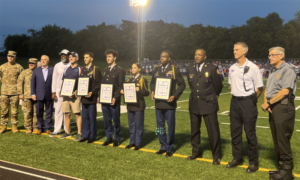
[[9, 73], [24, 91]]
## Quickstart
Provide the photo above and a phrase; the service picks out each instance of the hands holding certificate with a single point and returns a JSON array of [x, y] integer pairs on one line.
[[89, 95], [171, 99]]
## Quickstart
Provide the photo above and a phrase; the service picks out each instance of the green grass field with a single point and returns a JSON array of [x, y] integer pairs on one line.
[[92, 161]]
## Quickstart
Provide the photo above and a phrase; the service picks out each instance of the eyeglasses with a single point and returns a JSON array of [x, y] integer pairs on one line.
[[11, 56], [272, 55]]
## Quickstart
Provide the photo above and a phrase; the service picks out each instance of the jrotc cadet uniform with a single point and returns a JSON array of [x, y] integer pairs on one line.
[[282, 118], [28, 105], [9, 95], [89, 105], [206, 85], [166, 110], [113, 75], [135, 112]]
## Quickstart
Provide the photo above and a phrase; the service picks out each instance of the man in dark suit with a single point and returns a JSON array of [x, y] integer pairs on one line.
[[165, 110], [206, 85], [41, 93]]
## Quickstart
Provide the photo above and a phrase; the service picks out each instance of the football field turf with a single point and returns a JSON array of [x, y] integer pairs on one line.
[[92, 161]]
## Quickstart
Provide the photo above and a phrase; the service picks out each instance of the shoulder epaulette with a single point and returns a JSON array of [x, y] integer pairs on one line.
[[119, 67]]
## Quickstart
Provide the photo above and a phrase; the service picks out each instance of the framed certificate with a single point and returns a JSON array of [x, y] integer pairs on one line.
[[162, 88], [106, 93], [129, 93], [83, 86], [67, 88]]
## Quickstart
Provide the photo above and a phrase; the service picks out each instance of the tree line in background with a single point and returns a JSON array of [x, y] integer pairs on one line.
[[259, 33]]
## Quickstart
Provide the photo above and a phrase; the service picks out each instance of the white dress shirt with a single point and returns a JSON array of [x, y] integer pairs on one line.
[[252, 79]]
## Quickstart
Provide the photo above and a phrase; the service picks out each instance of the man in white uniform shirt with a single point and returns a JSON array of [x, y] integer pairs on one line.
[[246, 86], [56, 87]]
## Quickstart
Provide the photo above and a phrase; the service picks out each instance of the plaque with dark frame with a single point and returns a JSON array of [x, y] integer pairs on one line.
[[67, 88], [163, 88], [130, 94], [83, 86], [106, 93]]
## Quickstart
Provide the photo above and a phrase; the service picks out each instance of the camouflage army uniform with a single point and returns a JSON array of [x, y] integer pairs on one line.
[[28, 105], [9, 75]]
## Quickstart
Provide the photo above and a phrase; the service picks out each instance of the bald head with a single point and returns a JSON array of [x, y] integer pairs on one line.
[[203, 51], [200, 56]]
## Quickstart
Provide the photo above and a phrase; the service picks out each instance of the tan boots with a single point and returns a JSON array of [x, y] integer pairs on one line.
[[28, 131], [14, 128], [3, 129]]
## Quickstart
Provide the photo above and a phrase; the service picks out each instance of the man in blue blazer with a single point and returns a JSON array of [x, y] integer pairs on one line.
[[41, 93]]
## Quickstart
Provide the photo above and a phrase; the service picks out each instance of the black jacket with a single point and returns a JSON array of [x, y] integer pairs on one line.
[[176, 79], [142, 83], [205, 87], [94, 73], [116, 77]]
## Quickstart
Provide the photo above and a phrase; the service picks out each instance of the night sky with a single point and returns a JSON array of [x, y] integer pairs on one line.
[[17, 16]]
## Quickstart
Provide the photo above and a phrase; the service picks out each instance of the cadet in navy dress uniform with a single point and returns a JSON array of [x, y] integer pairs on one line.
[[135, 112], [165, 110], [279, 102], [89, 102], [246, 87], [113, 74], [206, 85]]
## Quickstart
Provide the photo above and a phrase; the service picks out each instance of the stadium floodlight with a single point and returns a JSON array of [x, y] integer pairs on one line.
[[138, 2]]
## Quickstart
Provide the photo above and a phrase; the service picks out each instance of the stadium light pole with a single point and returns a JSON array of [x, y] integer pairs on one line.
[[138, 4]]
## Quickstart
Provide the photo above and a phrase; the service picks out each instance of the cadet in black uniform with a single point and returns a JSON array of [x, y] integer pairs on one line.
[[165, 110], [113, 74], [135, 111], [206, 85], [89, 102]]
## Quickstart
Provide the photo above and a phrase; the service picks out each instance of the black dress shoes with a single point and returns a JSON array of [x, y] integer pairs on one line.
[[130, 146], [169, 154], [193, 157], [160, 152], [216, 162], [252, 168], [90, 141], [116, 144], [106, 143], [285, 174], [137, 148], [83, 140], [234, 163]]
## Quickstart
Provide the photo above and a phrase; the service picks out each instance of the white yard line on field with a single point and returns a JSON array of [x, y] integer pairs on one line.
[[225, 112]]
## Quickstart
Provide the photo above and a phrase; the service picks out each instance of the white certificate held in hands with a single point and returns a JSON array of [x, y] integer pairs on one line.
[[68, 87], [83, 86], [162, 88], [129, 93], [106, 93]]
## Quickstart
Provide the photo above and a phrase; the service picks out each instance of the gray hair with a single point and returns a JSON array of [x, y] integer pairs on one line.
[[243, 45], [279, 49], [46, 56]]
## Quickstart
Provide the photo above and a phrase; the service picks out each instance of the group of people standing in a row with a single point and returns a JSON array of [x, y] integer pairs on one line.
[[39, 87]]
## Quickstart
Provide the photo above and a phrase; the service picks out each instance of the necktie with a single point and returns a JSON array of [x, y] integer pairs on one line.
[[198, 66], [163, 69]]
